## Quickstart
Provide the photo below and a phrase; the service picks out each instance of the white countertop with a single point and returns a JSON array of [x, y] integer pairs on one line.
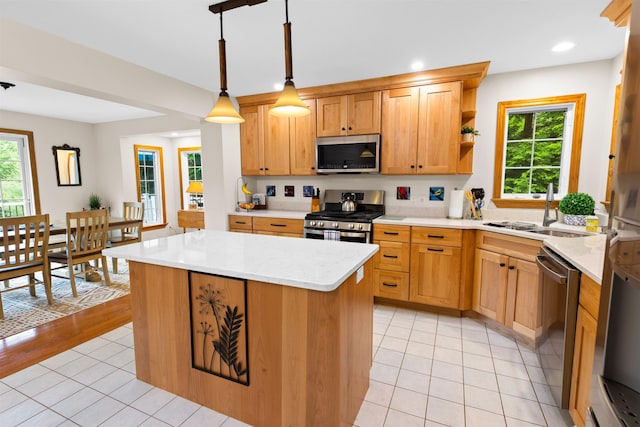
[[585, 253], [320, 265], [271, 213]]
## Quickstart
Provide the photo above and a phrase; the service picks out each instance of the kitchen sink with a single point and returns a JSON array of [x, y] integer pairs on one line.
[[534, 228]]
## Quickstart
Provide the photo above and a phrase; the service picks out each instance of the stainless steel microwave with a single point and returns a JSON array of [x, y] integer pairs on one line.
[[348, 154]]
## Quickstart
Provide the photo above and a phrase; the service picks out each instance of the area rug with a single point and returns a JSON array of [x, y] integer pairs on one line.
[[22, 311]]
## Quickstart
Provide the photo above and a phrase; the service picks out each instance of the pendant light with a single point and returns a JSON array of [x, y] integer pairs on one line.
[[289, 103], [224, 111]]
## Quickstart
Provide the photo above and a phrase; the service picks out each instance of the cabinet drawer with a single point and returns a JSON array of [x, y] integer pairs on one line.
[[238, 222], [278, 225], [392, 233], [391, 284], [436, 236], [393, 256]]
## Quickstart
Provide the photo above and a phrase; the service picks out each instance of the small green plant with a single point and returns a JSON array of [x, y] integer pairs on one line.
[[577, 204], [94, 201], [469, 129]]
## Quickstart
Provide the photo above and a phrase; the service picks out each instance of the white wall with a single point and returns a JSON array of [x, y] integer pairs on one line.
[[54, 200]]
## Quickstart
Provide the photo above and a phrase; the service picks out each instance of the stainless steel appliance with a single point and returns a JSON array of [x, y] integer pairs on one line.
[[348, 154], [615, 385], [559, 287], [333, 223]]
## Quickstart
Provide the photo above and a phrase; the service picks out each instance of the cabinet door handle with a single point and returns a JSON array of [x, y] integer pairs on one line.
[[389, 256], [313, 168], [343, 128], [612, 156], [419, 166], [390, 285], [434, 236], [240, 222], [413, 166], [278, 225], [391, 233], [511, 267], [502, 264], [435, 250]]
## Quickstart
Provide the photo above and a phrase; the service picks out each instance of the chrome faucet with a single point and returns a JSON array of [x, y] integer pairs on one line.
[[547, 220]]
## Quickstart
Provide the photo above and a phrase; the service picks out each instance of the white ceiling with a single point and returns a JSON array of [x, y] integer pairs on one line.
[[333, 41]]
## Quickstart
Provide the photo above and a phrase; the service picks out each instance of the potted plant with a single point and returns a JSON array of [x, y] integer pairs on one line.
[[468, 133], [94, 201], [575, 207]]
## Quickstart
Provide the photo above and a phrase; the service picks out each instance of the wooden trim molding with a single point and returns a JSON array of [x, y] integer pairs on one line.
[[32, 161], [576, 146], [470, 74], [136, 148], [180, 151], [618, 12]]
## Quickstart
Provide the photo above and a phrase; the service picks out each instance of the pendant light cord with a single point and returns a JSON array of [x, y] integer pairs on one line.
[[286, 10]]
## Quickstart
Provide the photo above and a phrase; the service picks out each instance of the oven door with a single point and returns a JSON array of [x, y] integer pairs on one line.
[[343, 236]]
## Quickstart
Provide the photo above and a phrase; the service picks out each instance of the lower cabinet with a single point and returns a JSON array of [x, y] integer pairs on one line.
[[506, 287], [583, 353], [267, 225], [435, 275], [241, 224]]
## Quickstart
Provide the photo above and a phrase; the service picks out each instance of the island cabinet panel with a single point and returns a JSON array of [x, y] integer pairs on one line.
[[309, 352], [355, 114]]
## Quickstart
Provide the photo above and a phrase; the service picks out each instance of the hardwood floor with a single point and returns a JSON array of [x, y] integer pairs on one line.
[[35, 345]]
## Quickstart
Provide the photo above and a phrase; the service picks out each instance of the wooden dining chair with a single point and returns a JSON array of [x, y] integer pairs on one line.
[[127, 235], [87, 233], [23, 252]]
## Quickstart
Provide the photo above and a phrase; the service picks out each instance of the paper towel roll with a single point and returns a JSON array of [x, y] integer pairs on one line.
[[455, 204]]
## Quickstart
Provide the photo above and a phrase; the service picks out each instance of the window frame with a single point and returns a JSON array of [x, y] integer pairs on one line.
[[182, 152], [160, 174], [31, 153], [579, 101]]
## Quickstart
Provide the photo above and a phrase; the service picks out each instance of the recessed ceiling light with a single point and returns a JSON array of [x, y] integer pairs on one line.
[[563, 47], [417, 65], [278, 86]]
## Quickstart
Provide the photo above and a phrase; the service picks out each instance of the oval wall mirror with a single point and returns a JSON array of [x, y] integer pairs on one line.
[[67, 165]]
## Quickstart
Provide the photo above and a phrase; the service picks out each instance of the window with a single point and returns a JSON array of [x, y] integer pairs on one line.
[[190, 169], [149, 174], [18, 180], [538, 142]]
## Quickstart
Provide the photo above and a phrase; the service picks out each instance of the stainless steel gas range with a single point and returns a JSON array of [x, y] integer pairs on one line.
[[333, 223]]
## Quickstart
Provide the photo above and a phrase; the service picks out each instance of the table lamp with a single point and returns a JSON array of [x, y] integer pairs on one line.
[[195, 188]]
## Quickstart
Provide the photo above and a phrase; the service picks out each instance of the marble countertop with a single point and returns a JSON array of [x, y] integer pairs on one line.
[[320, 265]]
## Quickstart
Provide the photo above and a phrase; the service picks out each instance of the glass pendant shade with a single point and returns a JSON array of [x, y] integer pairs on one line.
[[224, 111], [289, 103]]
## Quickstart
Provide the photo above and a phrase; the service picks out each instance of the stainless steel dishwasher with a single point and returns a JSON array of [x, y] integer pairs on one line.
[[559, 288]]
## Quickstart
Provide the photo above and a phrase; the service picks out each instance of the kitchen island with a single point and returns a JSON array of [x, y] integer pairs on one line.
[[269, 330]]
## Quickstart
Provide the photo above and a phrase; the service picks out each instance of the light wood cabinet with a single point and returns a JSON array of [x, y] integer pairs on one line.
[[241, 224], [278, 226], [584, 349], [272, 145], [506, 283], [421, 129], [190, 218], [435, 275], [392, 261], [355, 114]]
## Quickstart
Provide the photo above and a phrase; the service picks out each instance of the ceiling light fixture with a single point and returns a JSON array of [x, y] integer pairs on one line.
[[224, 111], [563, 47], [289, 103]]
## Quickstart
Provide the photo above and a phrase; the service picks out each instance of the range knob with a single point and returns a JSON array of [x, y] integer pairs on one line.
[[360, 227], [321, 224], [312, 223], [352, 226], [335, 225]]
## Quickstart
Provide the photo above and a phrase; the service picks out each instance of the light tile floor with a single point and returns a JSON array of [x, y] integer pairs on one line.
[[428, 370]]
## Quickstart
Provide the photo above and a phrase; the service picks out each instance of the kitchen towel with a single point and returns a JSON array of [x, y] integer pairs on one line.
[[455, 204]]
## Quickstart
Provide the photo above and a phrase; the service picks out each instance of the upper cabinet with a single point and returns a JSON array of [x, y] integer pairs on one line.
[[272, 145], [356, 114], [418, 115], [421, 129]]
